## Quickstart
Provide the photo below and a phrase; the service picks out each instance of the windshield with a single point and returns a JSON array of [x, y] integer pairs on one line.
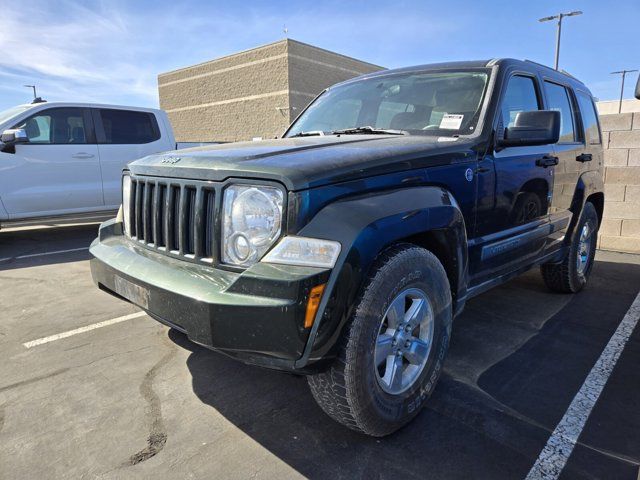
[[443, 103], [12, 112]]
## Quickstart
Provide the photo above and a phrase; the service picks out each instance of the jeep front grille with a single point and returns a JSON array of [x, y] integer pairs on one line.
[[174, 217]]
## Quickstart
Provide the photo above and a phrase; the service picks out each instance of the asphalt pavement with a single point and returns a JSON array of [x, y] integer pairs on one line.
[[110, 393]]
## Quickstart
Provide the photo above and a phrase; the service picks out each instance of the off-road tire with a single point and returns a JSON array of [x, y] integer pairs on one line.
[[564, 277], [349, 391]]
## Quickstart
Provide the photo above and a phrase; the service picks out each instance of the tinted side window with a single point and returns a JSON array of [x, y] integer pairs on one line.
[[520, 96], [127, 127], [589, 119], [56, 126], [558, 98]]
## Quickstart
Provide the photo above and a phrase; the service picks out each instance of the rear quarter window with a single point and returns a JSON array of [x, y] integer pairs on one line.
[[129, 127], [589, 119]]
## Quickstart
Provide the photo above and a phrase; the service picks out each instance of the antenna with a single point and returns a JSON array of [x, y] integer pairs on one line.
[[36, 99], [35, 95]]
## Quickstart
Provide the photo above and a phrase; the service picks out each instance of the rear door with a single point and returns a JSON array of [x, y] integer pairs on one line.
[[568, 150], [123, 136], [58, 171]]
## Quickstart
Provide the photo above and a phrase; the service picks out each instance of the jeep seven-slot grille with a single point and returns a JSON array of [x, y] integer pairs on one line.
[[173, 217]]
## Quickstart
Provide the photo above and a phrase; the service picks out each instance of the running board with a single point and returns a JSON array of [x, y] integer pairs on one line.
[[92, 217]]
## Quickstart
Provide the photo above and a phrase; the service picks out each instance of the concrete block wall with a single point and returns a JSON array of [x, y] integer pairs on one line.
[[255, 93], [620, 228]]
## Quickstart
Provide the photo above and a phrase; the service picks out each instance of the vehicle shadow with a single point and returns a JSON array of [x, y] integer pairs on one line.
[[32, 247], [484, 420]]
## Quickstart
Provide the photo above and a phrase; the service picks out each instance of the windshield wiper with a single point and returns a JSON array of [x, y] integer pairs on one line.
[[310, 133], [368, 130]]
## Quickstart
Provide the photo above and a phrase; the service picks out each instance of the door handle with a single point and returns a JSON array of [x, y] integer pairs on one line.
[[82, 155], [547, 161], [584, 157]]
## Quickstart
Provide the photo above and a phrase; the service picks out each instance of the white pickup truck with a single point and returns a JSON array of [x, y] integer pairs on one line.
[[64, 161]]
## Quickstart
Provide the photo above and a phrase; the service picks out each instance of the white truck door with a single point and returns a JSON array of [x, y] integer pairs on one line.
[[58, 171], [124, 136]]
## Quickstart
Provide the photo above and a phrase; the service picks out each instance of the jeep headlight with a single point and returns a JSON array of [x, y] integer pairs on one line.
[[252, 222], [126, 202]]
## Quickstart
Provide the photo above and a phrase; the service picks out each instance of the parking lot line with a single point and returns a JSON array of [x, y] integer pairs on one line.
[[556, 452], [55, 252], [76, 331]]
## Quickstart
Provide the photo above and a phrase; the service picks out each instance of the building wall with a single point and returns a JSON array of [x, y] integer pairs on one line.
[[620, 228], [250, 94], [312, 69], [610, 107], [231, 98]]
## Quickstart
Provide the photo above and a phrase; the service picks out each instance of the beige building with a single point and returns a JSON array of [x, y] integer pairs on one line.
[[255, 93], [621, 225]]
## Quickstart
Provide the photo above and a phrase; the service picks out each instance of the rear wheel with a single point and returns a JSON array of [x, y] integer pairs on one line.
[[572, 274], [391, 353]]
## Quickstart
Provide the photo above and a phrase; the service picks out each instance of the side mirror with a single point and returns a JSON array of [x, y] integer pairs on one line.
[[638, 88], [538, 127], [13, 136]]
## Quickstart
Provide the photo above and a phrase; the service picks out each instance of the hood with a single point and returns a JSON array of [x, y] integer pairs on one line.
[[307, 162]]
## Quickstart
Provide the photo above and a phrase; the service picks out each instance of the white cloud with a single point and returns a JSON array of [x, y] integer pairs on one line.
[[112, 51]]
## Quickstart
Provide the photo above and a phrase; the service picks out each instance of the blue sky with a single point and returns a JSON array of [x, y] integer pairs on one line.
[[111, 51]]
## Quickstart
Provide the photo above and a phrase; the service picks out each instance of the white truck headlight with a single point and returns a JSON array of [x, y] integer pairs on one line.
[[303, 251], [126, 202], [252, 222]]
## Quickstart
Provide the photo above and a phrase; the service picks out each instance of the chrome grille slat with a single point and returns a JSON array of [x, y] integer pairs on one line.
[[198, 223], [155, 212], [209, 224], [174, 217], [181, 214], [138, 211], [146, 210]]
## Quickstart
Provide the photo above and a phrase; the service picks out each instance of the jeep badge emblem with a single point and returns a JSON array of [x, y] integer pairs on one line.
[[171, 160], [468, 175]]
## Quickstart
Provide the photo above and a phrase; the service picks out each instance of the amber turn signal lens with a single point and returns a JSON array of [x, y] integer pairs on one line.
[[312, 304]]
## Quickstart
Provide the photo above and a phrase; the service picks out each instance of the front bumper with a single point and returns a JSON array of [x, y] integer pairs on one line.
[[256, 315]]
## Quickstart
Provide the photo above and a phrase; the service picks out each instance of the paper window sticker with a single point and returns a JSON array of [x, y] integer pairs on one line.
[[451, 121]]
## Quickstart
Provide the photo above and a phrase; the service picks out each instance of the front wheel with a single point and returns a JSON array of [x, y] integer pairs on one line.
[[572, 274], [392, 351]]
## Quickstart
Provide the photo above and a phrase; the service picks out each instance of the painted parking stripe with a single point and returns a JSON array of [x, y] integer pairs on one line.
[[556, 452], [55, 252], [88, 328]]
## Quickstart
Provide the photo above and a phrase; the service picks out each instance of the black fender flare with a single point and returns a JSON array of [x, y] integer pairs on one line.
[[365, 226], [589, 182]]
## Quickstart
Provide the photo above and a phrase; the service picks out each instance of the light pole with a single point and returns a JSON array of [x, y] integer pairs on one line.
[[559, 16], [624, 74]]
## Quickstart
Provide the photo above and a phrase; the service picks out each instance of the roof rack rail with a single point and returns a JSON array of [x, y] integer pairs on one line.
[[567, 73], [560, 70], [537, 63]]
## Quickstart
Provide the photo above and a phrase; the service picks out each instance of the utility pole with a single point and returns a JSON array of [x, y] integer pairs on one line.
[[624, 74], [34, 90], [559, 17]]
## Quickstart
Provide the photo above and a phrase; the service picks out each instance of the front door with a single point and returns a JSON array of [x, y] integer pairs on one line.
[[58, 171], [514, 188]]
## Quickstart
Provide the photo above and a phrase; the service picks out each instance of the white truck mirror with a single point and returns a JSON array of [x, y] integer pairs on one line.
[[14, 135]]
